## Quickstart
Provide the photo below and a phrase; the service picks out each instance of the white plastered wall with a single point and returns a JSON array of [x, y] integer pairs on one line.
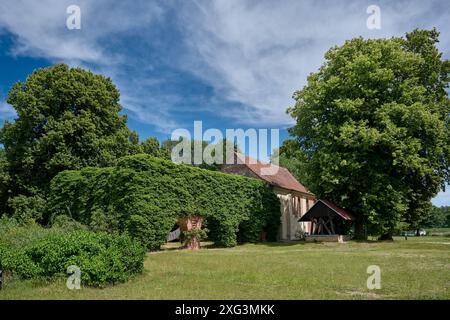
[[292, 207]]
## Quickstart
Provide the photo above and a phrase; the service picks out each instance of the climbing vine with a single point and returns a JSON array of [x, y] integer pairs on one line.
[[144, 196]]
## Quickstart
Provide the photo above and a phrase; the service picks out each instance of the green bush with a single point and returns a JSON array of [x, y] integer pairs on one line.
[[102, 258], [146, 195], [66, 223], [199, 234], [27, 208], [16, 234]]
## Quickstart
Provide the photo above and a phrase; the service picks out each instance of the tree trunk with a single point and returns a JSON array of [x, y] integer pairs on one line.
[[360, 230], [193, 244], [386, 237]]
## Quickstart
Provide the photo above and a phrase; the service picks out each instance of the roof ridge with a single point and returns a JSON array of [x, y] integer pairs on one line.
[[258, 161], [282, 178]]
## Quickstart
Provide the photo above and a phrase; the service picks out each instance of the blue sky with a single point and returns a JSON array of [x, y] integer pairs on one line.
[[229, 63]]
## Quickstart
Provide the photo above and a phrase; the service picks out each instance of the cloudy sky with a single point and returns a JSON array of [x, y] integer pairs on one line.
[[229, 63]]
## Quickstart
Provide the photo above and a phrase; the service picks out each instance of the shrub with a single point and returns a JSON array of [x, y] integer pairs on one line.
[[27, 208], [148, 194], [66, 223], [15, 234], [102, 258], [199, 234]]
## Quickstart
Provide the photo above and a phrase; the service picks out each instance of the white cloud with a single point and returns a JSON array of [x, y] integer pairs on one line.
[[40, 27], [259, 52], [442, 198], [7, 112], [160, 117], [254, 54], [40, 31]]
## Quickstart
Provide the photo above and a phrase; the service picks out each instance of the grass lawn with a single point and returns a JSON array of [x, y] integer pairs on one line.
[[417, 268]]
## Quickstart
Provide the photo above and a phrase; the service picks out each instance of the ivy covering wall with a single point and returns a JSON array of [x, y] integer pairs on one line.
[[143, 196]]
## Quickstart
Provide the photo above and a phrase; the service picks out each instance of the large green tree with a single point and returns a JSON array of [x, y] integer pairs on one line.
[[67, 118], [152, 147], [168, 145], [289, 156], [440, 218], [373, 129], [4, 181]]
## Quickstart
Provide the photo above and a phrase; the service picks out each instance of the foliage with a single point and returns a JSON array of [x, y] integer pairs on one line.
[[199, 234], [26, 209], [66, 223], [373, 128], [102, 220], [15, 234], [207, 149], [102, 258], [134, 146], [438, 232], [440, 218], [67, 118], [151, 147], [290, 157], [147, 195], [4, 181]]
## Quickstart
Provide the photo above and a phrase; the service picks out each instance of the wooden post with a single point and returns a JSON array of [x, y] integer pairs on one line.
[[313, 226], [332, 224]]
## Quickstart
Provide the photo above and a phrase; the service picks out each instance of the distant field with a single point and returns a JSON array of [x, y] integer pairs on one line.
[[417, 268], [439, 232]]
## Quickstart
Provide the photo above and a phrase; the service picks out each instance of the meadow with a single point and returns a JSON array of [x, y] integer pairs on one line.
[[417, 268]]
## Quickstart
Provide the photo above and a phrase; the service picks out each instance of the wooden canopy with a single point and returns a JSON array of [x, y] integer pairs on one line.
[[326, 218]]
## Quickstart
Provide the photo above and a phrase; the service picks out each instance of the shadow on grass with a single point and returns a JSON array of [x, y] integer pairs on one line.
[[173, 246], [264, 244], [280, 243], [371, 241]]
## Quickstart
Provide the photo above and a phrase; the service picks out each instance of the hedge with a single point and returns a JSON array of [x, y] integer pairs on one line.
[[143, 196], [32, 251]]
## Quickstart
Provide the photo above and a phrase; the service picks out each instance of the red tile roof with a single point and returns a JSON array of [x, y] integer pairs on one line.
[[340, 211], [274, 175]]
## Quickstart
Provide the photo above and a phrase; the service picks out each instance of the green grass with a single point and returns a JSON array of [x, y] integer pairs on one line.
[[417, 268]]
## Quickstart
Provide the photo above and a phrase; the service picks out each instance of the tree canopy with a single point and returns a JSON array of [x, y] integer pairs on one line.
[[67, 118], [152, 147], [372, 127], [440, 218], [207, 149]]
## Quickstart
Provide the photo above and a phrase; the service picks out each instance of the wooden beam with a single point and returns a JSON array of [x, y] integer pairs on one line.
[[325, 226], [332, 225]]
